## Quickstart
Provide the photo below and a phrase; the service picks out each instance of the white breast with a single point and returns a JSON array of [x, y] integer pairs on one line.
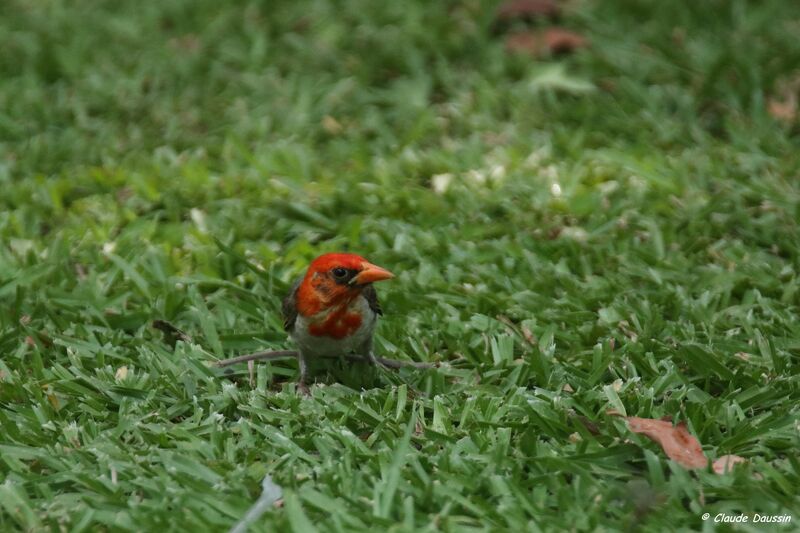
[[360, 340]]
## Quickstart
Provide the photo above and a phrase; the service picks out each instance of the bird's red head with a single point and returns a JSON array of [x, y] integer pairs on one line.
[[335, 279]]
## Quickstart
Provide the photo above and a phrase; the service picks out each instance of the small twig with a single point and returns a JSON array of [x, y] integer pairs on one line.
[[285, 354]]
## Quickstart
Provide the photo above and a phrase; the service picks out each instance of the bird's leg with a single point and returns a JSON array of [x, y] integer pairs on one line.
[[302, 385], [371, 359], [284, 354], [366, 352]]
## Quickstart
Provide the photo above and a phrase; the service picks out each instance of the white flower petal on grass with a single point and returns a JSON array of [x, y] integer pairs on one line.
[[497, 173], [575, 233], [199, 219], [441, 182]]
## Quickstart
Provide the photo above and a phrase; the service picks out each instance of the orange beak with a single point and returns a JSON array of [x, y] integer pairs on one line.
[[371, 273]]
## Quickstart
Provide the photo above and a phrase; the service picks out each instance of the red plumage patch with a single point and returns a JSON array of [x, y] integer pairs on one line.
[[338, 325]]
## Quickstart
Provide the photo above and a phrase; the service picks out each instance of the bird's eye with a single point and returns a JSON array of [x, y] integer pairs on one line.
[[339, 272]]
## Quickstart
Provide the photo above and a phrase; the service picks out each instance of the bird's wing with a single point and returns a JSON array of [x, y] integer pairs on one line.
[[289, 307], [371, 295]]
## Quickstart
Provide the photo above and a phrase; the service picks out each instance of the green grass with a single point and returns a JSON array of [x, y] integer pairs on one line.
[[620, 231]]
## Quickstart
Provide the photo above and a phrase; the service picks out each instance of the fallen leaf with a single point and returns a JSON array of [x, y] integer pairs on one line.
[[331, 125], [122, 373], [552, 41], [676, 441], [561, 41], [783, 105], [725, 464], [783, 110]]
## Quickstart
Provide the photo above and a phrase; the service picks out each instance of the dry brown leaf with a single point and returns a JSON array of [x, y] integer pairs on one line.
[[331, 125], [783, 110], [725, 464], [561, 41], [679, 445], [676, 441], [783, 105], [552, 41]]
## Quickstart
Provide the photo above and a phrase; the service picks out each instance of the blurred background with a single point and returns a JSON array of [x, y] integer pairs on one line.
[[571, 193], [476, 143]]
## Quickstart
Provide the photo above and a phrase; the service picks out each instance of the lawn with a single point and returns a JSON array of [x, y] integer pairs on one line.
[[613, 231]]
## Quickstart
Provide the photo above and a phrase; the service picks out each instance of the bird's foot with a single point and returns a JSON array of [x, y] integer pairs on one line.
[[303, 389]]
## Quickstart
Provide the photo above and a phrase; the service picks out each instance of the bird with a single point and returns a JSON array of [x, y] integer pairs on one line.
[[332, 310]]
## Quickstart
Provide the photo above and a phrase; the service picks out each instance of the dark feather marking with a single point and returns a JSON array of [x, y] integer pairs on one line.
[[371, 295], [289, 307]]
